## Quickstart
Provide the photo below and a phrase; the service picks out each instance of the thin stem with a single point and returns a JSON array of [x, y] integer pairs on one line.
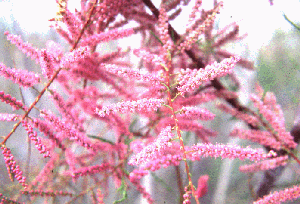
[[179, 183], [184, 154]]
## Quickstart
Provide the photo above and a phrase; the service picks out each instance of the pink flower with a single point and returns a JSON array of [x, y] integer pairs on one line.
[[262, 137], [11, 166], [202, 186], [37, 141], [142, 105], [74, 56], [280, 196], [238, 114], [230, 151], [130, 73], [193, 31], [47, 63], [189, 80], [273, 114], [19, 76], [265, 165], [195, 113], [16, 105], [107, 36], [90, 170], [24, 47], [155, 149], [8, 117]]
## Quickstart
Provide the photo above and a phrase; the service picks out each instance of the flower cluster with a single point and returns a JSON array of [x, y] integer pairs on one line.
[[46, 193], [272, 113], [227, 151], [281, 196], [265, 165], [18, 76], [196, 113], [16, 105], [190, 79], [12, 167], [37, 141], [142, 105], [155, 149]]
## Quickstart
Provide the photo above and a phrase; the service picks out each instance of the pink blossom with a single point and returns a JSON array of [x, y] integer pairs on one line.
[[195, 30], [149, 57], [68, 131], [74, 56], [189, 80], [73, 23], [90, 170], [155, 79], [143, 105], [37, 141], [154, 149], [25, 47], [230, 151], [261, 137], [46, 193], [196, 113], [47, 130], [11, 166], [280, 196], [9, 117], [265, 165], [107, 36], [202, 186], [47, 63], [239, 114], [187, 195], [16, 105], [19, 76], [274, 116]]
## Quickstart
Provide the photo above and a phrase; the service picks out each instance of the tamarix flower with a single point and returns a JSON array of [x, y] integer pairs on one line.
[[8, 99], [37, 141], [154, 149], [262, 137], [189, 80], [155, 79], [273, 115], [19, 76], [202, 186], [230, 151], [142, 105], [265, 165], [25, 47], [196, 113], [107, 36], [11, 166], [280, 196], [90, 170]]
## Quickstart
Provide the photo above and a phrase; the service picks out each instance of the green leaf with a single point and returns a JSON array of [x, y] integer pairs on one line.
[[293, 24], [123, 190], [157, 38], [101, 139]]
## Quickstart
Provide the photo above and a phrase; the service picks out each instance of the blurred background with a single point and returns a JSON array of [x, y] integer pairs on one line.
[[272, 43]]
